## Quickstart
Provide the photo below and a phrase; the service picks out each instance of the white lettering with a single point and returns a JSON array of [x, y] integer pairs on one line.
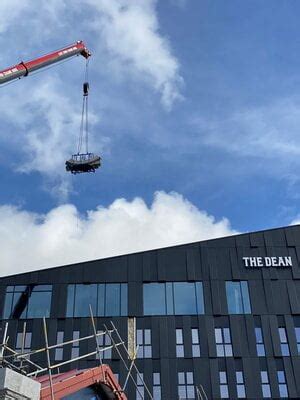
[[246, 259], [268, 262], [288, 261], [274, 262], [260, 262], [281, 262], [252, 261]]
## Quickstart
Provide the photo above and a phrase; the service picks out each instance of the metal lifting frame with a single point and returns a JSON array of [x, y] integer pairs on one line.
[[20, 360]]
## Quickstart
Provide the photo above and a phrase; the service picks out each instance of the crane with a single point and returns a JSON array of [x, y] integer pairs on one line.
[[25, 68], [79, 162]]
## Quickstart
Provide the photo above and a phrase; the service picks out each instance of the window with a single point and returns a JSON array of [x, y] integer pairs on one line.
[[59, 350], [223, 385], [186, 388], [104, 341], [195, 343], [179, 343], [223, 342], [23, 342], [240, 385], [140, 391], [156, 386], [106, 300], [238, 301], [75, 345], [285, 351], [260, 347], [143, 339], [265, 384], [173, 298], [283, 390], [31, 301], [297, 333]]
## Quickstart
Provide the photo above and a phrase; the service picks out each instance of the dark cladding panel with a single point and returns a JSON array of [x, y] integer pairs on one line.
[[250, 335], [280, 297], [275, 238], [257, 239], [238, 333], [108, 270], [150, 266], [172, 263], [135, 299], [135, 268], [210, 329], [59, 300], [251, 371], [267, 335], [275, 335], [219, 301], [292, 234], [243, 240], [296, 368], [288, 370], [293, 297], [193, 263], [214, 376], [235, 265], [257, 297]]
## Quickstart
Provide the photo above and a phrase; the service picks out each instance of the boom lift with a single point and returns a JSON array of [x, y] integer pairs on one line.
[[80, 162]]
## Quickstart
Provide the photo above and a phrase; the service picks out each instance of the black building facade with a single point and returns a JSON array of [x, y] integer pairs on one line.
[[223, 313]]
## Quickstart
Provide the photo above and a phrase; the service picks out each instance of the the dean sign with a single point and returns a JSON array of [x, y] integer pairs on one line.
[[258, 262]]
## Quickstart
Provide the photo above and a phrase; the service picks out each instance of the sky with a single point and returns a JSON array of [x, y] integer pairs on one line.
[[194, 108]]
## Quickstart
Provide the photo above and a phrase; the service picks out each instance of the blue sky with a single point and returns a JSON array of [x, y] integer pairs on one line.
[[196, 100]]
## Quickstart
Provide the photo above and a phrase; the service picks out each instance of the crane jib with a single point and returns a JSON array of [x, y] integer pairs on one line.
[[24, 68]]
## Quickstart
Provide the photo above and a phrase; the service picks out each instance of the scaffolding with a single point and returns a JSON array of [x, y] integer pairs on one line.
[[21, 360]]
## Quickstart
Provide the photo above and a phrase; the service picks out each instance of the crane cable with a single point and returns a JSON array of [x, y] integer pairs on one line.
[[84, 125]]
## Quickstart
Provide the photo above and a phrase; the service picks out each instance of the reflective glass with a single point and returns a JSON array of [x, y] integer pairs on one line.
[[285, 351], [179, 351], [266, 390], [264, 376], [258, 335], [154, 299], [7, 305], [59, 354], [234, 298], [195, 336], [139, 336], [179, 337], [195, 350], [184, 298], [182, 392], [85, 295], [226, 333], [241, 392], [156, 378], [224, 392], [189, 378], [170, 298], [147, 334], [297, 332], [39, 305], [156, 393], [112, 300], [190, 390], [245, 297], [223, 377], [147, 352], [200, 298], [283, 392], [220, 350], [181, 378], [282, 335], [228, 350], [239, 377], [101, 300], [124, 299], [218, 335], [260, 348], [70, 300], [280, 376]]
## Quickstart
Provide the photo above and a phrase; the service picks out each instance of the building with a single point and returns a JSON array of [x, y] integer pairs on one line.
[[222, 314]]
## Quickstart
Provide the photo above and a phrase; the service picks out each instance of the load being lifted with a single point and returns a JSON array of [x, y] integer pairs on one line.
[[81, 161]]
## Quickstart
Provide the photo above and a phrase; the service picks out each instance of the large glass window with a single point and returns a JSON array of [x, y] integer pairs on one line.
[[31, 301], [106, 300], [240, 385], [238, 301], [179, 343], [195, 342], [173, 298]]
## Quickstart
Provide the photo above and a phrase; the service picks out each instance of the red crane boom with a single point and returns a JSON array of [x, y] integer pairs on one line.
[[24, 68]]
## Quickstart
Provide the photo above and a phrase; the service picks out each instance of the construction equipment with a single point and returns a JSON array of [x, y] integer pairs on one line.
[[25, 68], [81, 161]]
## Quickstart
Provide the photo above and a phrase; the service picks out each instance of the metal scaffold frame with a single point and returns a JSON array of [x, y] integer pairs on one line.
[[20, 361]]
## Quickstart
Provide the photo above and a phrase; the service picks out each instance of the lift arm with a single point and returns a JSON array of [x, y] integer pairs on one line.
[[24, 68]]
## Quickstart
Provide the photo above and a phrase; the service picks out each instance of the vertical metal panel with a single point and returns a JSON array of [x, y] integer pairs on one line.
[[288, 369], [210, 329], [214, 376], [275, 336], [293, 298]]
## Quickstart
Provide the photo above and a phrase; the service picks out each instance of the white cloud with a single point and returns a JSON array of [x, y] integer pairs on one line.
[[63, 236], [269, 132]]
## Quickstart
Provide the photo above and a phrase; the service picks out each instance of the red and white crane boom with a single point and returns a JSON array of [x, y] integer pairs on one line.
[[24, 68]]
